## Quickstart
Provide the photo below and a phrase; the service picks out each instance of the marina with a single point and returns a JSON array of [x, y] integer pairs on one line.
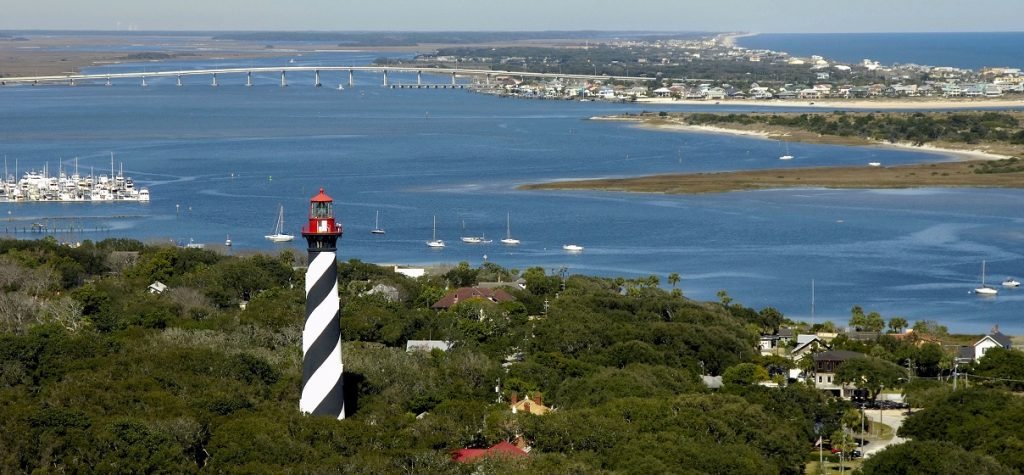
[[36, 186]]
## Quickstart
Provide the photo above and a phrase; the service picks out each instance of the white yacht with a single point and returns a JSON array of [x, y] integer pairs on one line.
[[572, 247]]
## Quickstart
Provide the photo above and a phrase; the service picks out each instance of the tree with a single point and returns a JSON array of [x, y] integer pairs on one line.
[[844, 443], [936, 457], [1004, 367], [897, 324], [870, 373], [724, 297], [770, 319], [673, 279], [744, 374], [873, 322], [857, 318]]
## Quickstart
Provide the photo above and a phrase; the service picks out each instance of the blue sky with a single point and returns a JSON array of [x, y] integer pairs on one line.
[[796, 16]]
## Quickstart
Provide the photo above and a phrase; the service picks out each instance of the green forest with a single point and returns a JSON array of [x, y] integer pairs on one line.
[[918, 128], [98, 374]]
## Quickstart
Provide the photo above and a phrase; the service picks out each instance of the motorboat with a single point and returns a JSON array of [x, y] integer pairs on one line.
[[572, 247], [1011, 282]]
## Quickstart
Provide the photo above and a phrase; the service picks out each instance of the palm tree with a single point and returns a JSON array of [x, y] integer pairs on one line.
[[673, 279]]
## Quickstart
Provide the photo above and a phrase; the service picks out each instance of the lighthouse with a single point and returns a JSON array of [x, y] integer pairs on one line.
[[321, 337]]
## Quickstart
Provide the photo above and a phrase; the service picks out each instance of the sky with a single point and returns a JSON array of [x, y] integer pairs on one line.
[[774, 16]]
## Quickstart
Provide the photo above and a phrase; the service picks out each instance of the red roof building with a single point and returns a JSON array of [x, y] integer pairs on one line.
[[466, 293], [501, 449]]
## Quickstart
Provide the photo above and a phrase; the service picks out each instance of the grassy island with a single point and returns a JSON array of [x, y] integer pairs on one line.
[[986, 143]]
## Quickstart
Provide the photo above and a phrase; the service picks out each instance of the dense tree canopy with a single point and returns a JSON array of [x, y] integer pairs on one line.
[[99, 374]]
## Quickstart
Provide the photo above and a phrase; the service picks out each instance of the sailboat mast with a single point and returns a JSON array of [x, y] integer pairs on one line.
[[812, 302]]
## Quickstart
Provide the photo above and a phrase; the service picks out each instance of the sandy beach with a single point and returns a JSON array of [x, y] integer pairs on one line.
[[964, 154]]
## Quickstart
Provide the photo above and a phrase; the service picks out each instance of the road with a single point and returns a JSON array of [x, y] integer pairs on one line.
[[890, 417]]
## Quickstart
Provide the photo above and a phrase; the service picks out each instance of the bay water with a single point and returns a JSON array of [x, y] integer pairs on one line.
[[220, 160]]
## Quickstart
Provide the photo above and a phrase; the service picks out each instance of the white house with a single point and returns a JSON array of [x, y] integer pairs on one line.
[[157, 287], [993, 340]]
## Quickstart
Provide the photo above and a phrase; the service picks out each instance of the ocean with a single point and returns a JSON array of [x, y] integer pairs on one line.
[[961, 50], [220, 160]]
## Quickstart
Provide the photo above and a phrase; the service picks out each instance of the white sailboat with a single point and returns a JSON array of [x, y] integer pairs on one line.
[[470, 239], [434, 242], [376, 225], [509, 240], [279, 234], [786, 155], [985, 290]]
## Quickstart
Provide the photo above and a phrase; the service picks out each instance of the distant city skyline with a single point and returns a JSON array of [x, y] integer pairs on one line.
[[782, 16]]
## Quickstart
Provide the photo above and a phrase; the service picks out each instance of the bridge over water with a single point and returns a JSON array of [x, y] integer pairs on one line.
[[483, 74]]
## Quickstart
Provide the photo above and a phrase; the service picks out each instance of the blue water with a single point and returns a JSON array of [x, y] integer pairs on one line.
[[219, 161], [962, 50]]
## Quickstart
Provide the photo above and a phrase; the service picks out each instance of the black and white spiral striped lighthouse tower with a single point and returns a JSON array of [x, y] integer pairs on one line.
[[321, 337]]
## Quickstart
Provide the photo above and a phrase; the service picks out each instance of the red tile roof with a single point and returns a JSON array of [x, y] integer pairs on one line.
[[501, 449]]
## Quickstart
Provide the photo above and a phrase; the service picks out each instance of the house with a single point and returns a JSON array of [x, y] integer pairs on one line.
[[412, 272], [663, 92], [387, 292], [712, 382], [716, 93], [770, 342], [501, 449], [427, 345], [825, 365], [535, 406], [807, 344], [467, 293], [157, 287], [995, 339]]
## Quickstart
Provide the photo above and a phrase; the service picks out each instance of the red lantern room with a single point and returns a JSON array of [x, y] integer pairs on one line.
[[321, 220]]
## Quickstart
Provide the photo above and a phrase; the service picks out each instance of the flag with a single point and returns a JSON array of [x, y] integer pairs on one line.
[[818, 443]]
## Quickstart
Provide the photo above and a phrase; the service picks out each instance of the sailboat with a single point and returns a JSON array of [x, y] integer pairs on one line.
[[470, 239], [985, 290], [376, 225], [786, 155], [279, 234], [509, 240], [434, 242]]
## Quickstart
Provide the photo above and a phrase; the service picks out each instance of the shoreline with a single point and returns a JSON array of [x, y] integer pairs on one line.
[[730, 40], [957, 154], [859, 104], [960, 171]]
